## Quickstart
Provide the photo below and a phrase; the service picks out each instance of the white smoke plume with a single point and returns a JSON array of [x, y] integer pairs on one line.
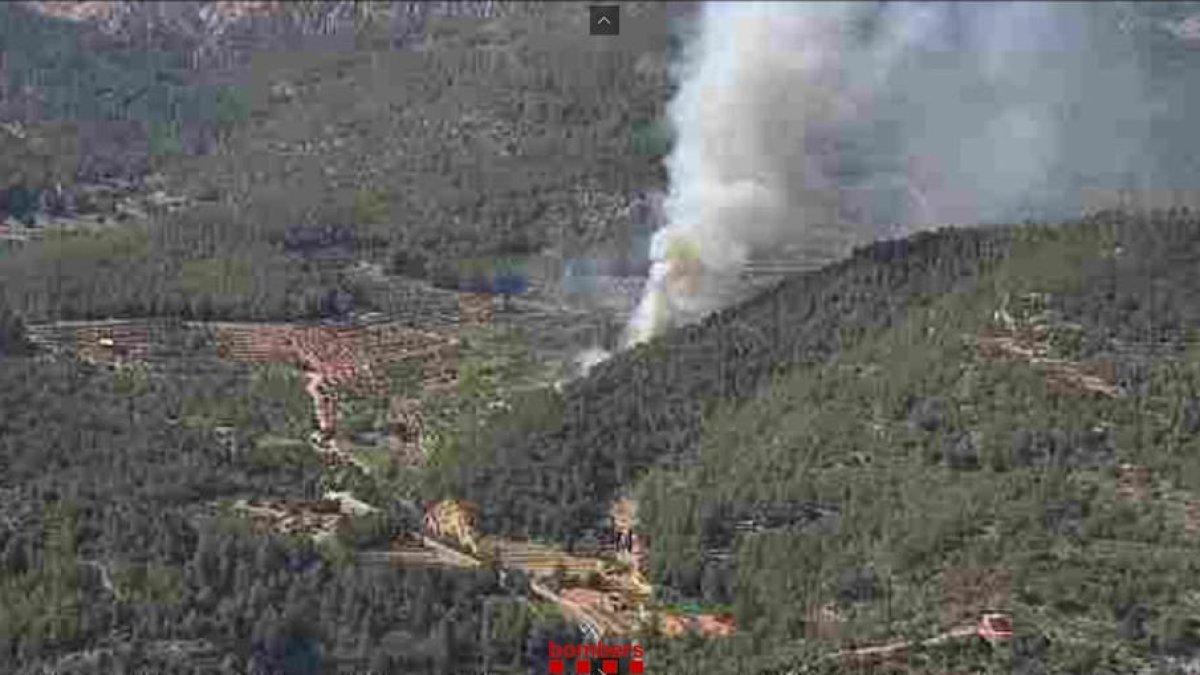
[[803, 129]]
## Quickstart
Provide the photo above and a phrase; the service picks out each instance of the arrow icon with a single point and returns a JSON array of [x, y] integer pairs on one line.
[[606, 19]]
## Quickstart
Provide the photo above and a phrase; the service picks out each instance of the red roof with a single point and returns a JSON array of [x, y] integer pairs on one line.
[[995, 626]]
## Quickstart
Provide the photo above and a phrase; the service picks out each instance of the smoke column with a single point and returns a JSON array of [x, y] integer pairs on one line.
[[804, 129]]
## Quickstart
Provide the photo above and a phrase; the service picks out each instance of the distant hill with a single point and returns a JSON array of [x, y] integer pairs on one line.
[[445, 117], [422, 134]]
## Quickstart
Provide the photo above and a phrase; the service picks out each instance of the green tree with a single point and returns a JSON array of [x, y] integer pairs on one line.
[[233, 109], [131, 381], [13, 338], [165, 141]]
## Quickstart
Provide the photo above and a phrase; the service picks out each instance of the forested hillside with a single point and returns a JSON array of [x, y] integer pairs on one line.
[[118, 552], [970, 420], [935, 425], [301, 144], [551, 475], [412, 139]]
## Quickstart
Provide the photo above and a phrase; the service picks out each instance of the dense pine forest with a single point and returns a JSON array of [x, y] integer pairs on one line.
[[467, 138], [970, 419], [846, 414], [886, 450], [120, 553]]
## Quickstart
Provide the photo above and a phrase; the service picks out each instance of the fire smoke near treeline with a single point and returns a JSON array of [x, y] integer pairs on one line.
[[803, 129]]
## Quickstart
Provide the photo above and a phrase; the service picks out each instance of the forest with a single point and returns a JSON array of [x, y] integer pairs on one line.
[[551, 476], [118, 551], [830, 390], [853, 445], [842, 445], [442, 159]]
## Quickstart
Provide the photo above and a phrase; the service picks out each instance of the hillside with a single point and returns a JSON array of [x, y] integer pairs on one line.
[[551, 474], [311, 137], [856, 460], [969, 420]]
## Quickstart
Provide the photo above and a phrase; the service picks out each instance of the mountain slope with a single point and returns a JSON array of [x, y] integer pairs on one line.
[[924, 477], [645, 406], [498, 134], [418, 134], [994, 419]]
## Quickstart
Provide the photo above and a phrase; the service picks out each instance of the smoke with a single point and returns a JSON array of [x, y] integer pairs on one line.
[[590, 358], [803, 130]]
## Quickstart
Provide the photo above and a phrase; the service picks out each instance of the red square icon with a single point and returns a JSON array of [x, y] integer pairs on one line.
[[610, 666], [556, 667], [635, 667], [583, 667]]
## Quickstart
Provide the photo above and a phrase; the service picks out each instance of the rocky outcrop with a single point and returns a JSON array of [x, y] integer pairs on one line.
[[215, 30]]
